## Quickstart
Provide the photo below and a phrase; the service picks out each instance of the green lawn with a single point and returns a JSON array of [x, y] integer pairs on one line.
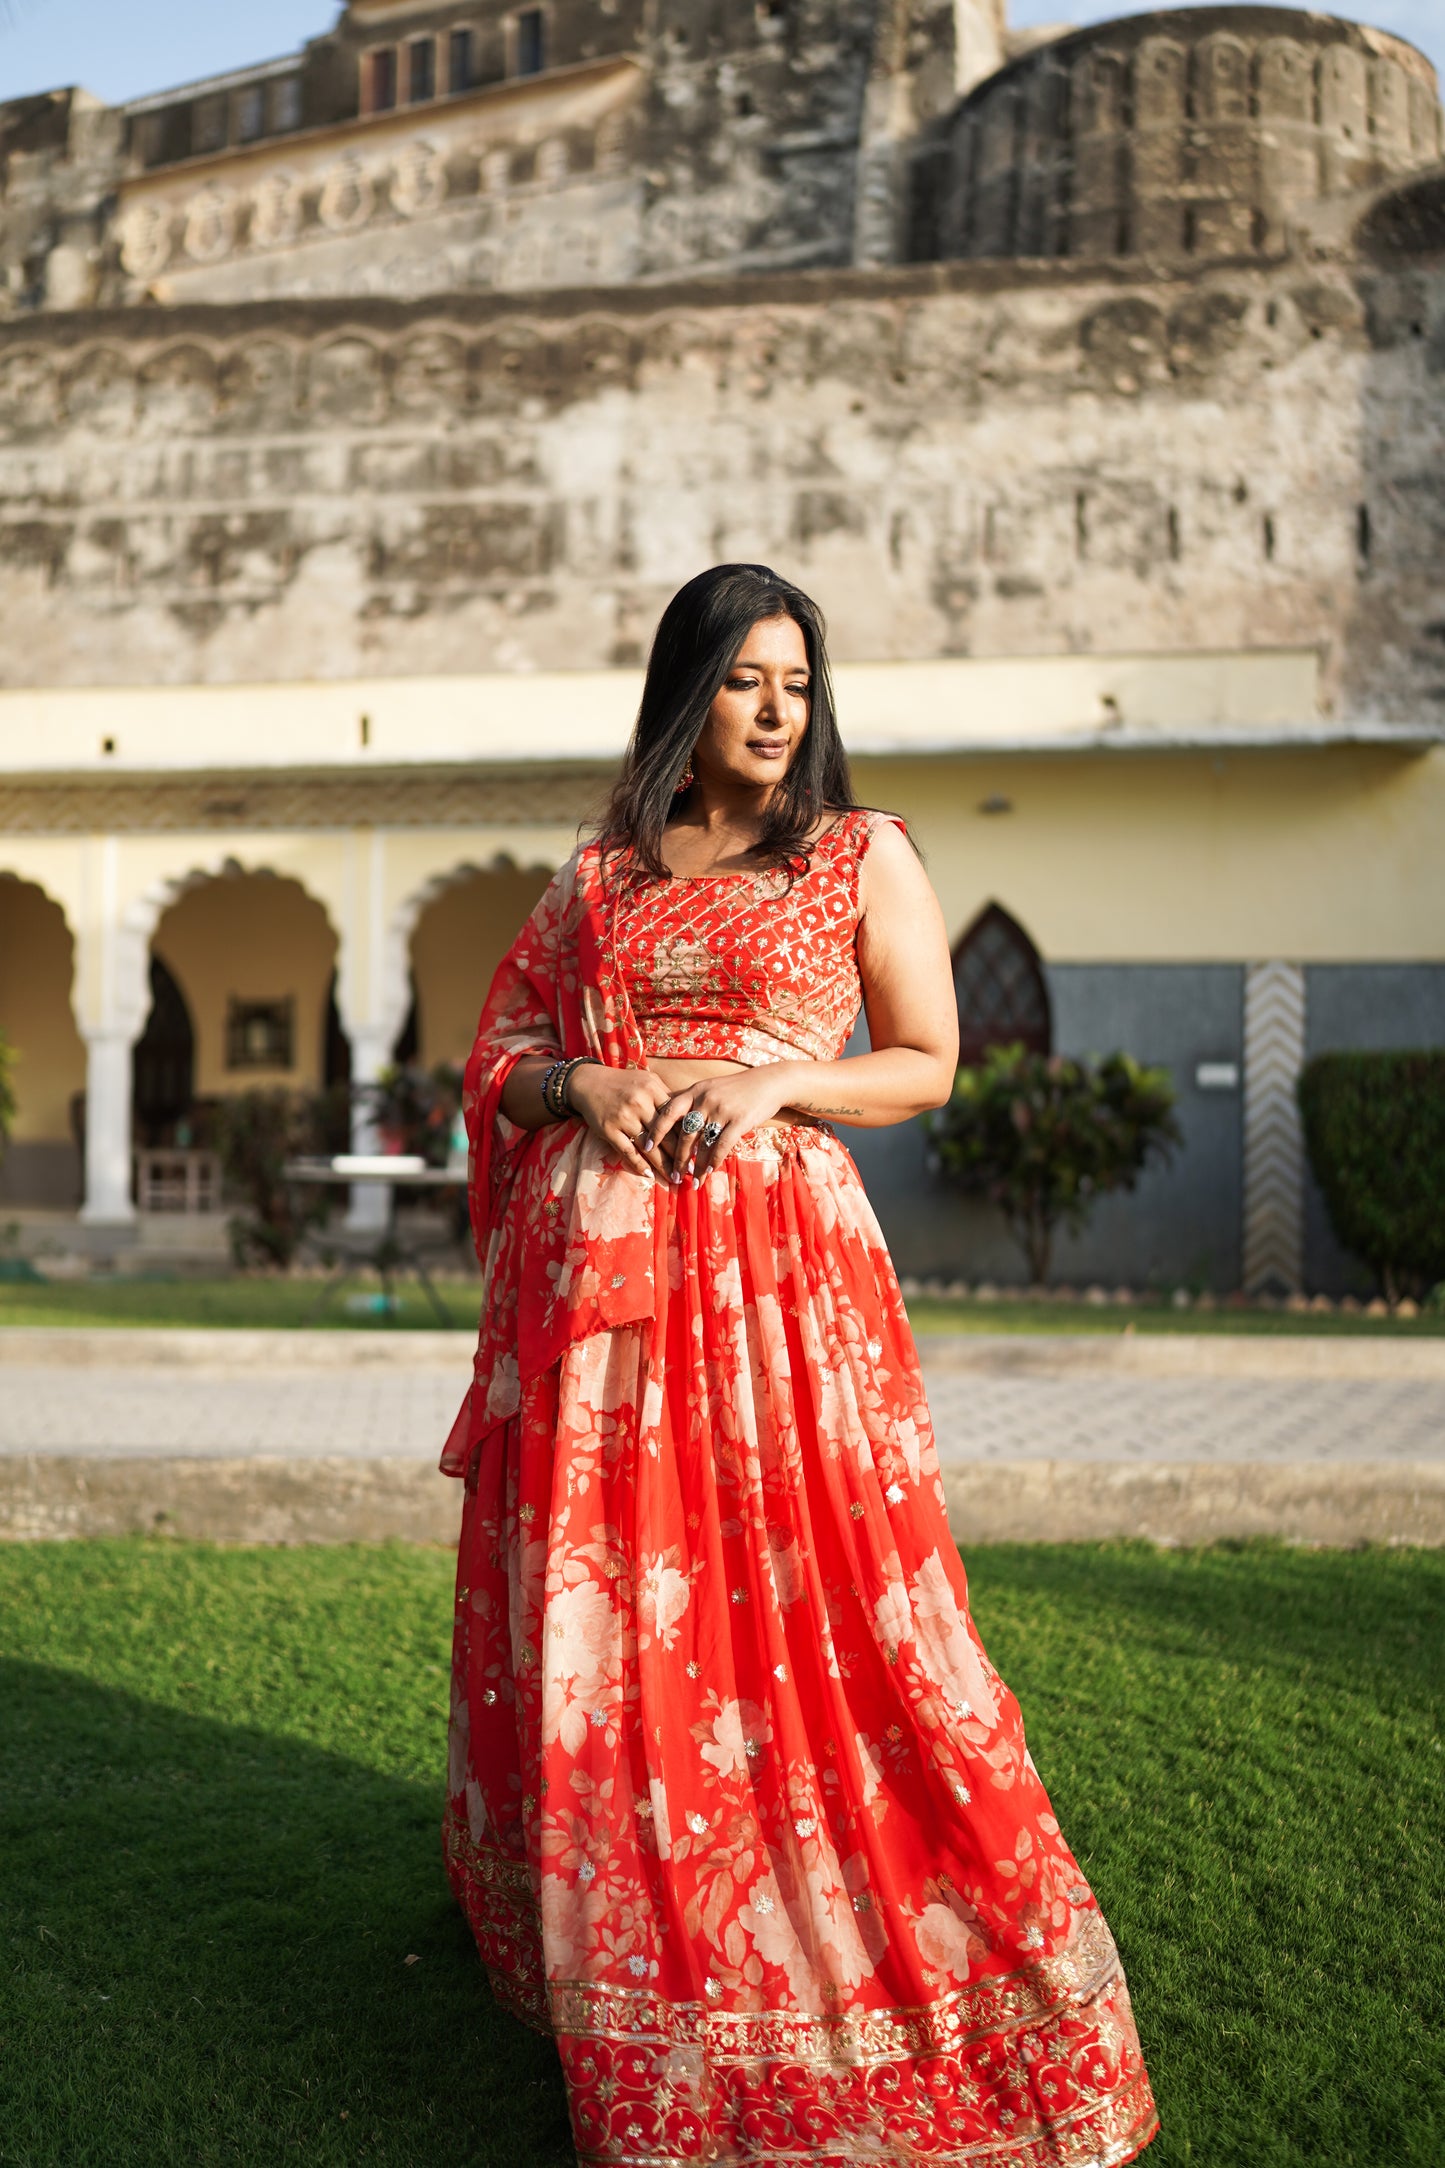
[[219, 1793], [284, 1303]]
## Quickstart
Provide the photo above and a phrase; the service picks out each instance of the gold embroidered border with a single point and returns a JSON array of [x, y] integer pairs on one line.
[[1105, 2135], [1030, 1996]]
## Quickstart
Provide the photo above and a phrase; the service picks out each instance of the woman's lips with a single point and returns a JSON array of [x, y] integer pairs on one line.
[[768, 749]]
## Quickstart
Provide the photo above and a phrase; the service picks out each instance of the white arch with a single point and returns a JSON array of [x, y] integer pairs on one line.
[[124, 981], [135, 930], [396, 950]]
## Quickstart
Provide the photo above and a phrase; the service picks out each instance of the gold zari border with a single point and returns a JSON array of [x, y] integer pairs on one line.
[[858, 2040]]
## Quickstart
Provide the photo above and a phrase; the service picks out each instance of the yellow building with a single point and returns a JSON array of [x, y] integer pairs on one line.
[[324, 591]]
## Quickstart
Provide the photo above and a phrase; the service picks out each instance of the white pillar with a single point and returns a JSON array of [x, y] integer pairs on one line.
[[370, 1054], [108, 1128]]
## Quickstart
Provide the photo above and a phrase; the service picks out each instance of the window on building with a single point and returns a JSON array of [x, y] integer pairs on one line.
[[999, 983], [251, 113], [421, 70], [208, 125], [459, 61], [379, 80], [529, 42], [260, 1034], [286, 104]]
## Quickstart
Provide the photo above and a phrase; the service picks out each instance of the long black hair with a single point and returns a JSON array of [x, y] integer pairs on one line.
[[697, 643]]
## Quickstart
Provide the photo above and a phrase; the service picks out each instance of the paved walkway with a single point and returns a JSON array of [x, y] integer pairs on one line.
[[1176, 1436], [995, 1397]]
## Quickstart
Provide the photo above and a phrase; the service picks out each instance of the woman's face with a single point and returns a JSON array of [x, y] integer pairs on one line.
[[759, 719]]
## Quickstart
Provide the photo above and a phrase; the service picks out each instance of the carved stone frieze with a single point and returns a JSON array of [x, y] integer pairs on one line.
[[439, 798]]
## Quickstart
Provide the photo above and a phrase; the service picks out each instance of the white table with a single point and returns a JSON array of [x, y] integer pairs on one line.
[[383, 1252]]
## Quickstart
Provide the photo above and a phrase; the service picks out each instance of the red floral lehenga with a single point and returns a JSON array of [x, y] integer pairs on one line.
[[738, 1809]]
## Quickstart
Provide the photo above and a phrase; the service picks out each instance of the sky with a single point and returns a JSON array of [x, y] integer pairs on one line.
[[123, 52]]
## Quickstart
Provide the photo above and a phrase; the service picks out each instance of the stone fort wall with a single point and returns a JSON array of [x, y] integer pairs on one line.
[[958, 460], [1201, 132]]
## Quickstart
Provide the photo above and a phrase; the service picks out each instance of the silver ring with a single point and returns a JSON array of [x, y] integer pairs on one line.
[[711, 1134], [691, 1123]]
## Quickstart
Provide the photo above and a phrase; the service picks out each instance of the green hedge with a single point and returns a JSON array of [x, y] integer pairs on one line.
[[1374, 1128]]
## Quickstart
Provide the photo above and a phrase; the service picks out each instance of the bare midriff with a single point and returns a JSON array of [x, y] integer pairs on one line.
[[678, 1074]]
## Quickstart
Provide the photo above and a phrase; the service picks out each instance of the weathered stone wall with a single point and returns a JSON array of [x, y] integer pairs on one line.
[[1190, 133], [695, 134], [972, 460]]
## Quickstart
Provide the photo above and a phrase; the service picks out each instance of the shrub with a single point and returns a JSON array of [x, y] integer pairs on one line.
[[256, 1133], [1374, 1127], [1042, 1137], [7, 1091], [415, 1108]]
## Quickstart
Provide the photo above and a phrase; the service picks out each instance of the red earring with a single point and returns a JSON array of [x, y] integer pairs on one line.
[[684, 781]]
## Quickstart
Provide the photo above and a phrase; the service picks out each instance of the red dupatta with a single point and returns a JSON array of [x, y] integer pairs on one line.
[[564, 1232]]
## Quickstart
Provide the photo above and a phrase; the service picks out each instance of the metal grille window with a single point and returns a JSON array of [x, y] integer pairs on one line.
[[260, 1034], [529, 42], [250, 113], [459, 60], [421, 70], [999, 982], [381, 79], [208, 125], [286, 104]]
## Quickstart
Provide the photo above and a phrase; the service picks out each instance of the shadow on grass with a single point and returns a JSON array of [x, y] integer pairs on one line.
[[206, 1932], [1243, 1747], [206, 1926]]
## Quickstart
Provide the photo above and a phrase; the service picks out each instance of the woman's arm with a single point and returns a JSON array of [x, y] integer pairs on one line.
[[616, 1104], [908, 999], [912, 1014]]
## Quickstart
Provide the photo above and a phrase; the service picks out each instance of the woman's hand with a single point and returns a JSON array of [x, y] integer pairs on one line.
[[620, 1106], [736, 1102]]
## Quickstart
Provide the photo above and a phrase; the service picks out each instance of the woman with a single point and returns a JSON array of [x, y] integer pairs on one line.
[[739, 1811]]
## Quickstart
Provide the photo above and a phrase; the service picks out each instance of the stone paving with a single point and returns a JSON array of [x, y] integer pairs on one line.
[[1181, 1419], [994, 1398]]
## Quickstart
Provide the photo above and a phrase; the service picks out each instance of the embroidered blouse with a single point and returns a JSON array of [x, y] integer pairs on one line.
[[735, 967], [749, 967]]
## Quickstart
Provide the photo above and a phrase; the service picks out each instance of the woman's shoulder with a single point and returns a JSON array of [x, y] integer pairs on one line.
[[858, 828]]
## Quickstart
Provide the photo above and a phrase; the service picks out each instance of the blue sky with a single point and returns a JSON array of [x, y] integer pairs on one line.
[[122, 52]]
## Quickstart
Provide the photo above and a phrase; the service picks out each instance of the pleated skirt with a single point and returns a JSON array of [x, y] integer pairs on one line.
[[739, 1811]]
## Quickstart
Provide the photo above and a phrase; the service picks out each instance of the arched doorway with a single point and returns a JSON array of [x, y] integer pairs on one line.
[[251, 958], [460, 936], [1003, 997], [41, 1167]]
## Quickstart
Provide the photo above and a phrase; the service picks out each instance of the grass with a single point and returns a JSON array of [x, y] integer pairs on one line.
[[285, 1303], [218, 1852]]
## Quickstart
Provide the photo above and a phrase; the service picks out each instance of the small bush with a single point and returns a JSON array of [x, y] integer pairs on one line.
[[256, 1133], [7, 1091], [1374, 1127], [1042, 1137], [414, 1109]]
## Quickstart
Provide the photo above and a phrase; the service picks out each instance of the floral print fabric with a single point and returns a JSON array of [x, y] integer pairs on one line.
[[739, 1809]]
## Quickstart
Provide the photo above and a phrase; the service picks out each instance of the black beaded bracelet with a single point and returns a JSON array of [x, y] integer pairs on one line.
[[555, 1082], [564, 1082], [549, 1079]]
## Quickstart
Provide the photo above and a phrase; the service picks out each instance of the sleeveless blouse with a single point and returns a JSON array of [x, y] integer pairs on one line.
[[733, 967], [749, 967]]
